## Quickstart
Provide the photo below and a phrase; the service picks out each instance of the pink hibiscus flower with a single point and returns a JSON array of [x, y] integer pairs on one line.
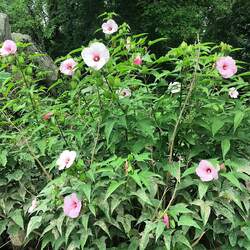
[[9, 47], [138, 60], [233, 93], [96, 56], [109, 27], [72, 206], [165, 220], [66, 159], [68, 67], [226, 66], [206, 171]]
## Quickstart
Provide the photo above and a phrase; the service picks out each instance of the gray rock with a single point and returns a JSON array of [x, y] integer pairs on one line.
[[44, 62], [5, 31]]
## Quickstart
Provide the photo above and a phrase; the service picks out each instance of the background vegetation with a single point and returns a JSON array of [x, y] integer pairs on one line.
[[60, 26]]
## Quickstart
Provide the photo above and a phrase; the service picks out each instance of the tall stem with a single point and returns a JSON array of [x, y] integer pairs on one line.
[[172, 141], [61, 132], [26, 83]]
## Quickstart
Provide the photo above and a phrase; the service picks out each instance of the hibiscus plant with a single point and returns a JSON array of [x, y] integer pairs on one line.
[[126, 150]]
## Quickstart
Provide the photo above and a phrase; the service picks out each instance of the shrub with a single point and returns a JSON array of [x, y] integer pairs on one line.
[[139, 126]]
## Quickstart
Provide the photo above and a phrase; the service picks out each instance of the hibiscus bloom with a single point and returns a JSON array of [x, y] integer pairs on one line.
[[72, 206], [233, 93], [96, 55], [206, 171], [68, 67], [226, 66], [109, 27], [47, 116], [137, 60], [174, 87], [66, 159], [124, 93], [165, 220], [9, 47], [33, 206]]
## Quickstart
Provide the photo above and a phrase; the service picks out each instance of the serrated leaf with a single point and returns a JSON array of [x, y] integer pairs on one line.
[[205, 212], [86, 188], [238, 119], [186, 220], [159, 230], [70, 228], [3, 158], [225, 146], [231, 177], [17, 217], [202, 189], [3, 224], [85, 220], [103, 226], [112, 187], [174, 170], [34, 223], [145, 235], [108, 129], [217, 125]]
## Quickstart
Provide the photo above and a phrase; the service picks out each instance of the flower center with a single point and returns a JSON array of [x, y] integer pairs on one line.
[[69, 67], [74, 205], [67, 160], [209, 170], [96, 58], [224, 66], [109, 28]]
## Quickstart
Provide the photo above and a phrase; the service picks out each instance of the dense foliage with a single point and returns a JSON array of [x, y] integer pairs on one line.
[[51, 22], [138, 143]]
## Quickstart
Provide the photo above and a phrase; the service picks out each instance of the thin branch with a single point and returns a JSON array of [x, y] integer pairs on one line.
[[29, 147], [172, 141], [197, 241]]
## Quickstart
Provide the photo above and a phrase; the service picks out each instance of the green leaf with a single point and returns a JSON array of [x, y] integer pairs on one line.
[[150, 43], [103, 226], [70, 228], [113, 186], [142, 196], [159, 230], [85, 220], [86, 188], [145, 235], [225, 146], [17, 217], [3, 158], [202, 189], [179, 208], [3, 224], [231, 177], [174, 170], [205, 212], [188, 171], [167, 239], [246, 231], [15, 176], [108, 129], [34, 223], [186, 220], [238, 119], [217, 125], [180, 238]]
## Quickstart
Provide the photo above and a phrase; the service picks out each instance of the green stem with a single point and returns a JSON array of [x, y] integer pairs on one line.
[[28, 87], [61, 132], [172, 141]]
